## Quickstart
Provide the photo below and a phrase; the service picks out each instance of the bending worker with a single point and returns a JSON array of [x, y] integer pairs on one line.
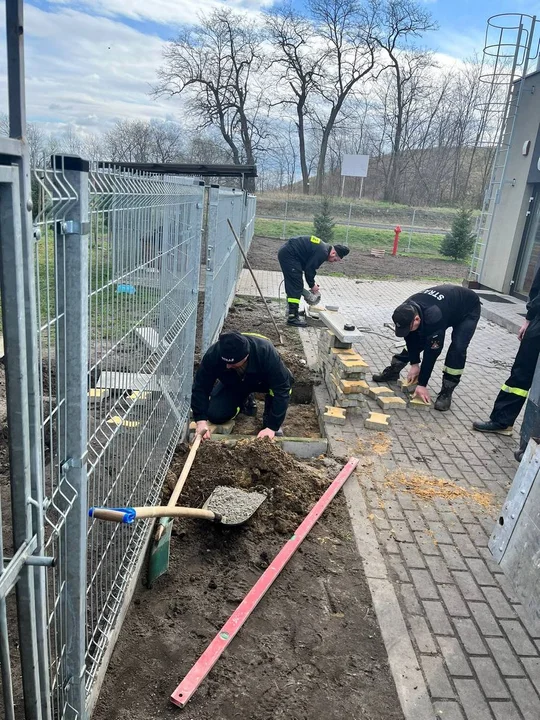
[[304, 254], [515, 390], [423, 320], [242, 364]]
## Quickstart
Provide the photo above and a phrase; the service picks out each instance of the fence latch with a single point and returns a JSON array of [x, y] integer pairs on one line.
[[70, 463], [73, 227]]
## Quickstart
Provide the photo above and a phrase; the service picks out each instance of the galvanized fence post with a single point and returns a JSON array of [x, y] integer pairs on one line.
[[72, 363]]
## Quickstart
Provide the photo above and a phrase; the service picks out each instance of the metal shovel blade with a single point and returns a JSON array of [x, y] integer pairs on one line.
[[158, 563], [234, 505]]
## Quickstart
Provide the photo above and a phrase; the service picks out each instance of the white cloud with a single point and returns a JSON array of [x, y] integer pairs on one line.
[[166, 12], [88, 70]]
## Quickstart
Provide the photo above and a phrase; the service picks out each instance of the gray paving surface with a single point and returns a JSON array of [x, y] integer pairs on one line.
[[477, 653]]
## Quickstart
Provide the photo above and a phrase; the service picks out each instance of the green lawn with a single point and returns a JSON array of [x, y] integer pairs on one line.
[[362, 238]]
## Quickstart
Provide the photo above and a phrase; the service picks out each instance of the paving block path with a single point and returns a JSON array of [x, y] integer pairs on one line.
[[478, 655]]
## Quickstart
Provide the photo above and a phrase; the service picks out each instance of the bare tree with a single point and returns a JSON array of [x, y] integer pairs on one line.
[[216, 65], [166, 141], [300, 58], [397, 22]]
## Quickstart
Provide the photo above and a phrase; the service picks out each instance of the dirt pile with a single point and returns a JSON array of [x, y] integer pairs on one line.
[[293, 487]]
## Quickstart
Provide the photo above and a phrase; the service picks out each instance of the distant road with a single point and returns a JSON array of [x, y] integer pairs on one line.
[[364, 224]]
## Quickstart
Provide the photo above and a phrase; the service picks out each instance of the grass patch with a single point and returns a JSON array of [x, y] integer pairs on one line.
[[426, 244]]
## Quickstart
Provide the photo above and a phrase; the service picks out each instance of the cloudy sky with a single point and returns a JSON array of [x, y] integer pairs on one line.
[[90, 62]]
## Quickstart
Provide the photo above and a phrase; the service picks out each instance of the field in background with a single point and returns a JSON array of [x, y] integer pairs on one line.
[[417, 244], [366, 213]]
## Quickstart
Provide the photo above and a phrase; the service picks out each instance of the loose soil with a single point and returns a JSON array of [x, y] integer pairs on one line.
[[263, 256], [301, 421], [312, 648]]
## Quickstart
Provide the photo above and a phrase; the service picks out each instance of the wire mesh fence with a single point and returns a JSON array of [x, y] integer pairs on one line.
[[223, 258], [111, 314]]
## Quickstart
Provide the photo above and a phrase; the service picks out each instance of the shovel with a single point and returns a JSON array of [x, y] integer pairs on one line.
[[226, 506], [161, 547]]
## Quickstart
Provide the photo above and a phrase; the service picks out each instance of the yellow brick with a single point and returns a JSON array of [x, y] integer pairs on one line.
[[391, 402], [117, 420], [417, 402], [352, 364], [377, 421], [375, 392], [345, 353], [354, 386], [334, 415]]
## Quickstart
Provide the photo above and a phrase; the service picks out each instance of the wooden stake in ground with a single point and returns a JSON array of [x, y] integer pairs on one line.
[[213, 652], [280, 339]]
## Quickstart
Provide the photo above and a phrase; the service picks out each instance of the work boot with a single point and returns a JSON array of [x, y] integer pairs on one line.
[[296, 321], [492, 427], [250, 406], [390, 373], [444, 399]]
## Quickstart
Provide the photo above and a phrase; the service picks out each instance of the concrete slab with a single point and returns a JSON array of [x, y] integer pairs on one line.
[[127, 381], [149, 336], [335, 322]]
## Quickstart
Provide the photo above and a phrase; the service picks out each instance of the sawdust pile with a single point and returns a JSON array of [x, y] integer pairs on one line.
[[380, 444], [428, 488]]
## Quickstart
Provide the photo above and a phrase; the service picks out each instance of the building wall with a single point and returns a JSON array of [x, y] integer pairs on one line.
[[510, 213]]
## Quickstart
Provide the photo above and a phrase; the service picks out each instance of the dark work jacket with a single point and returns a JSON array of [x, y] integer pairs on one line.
[[439, 308], [265, 373], [533, 306], [310, 252]]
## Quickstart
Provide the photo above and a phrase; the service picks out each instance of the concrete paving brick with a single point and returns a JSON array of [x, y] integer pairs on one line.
[[410, 600], [422, 635], [469, 636], [455, 659], [477, 535], [532, 666], [416, 521], [480, 571], [452, 522], [465, 545], [437, 618], [508, 589], [525, 697], [452, 558], [399, 568], [406, 501], [485, 619], [438, 569], [440, 533], [393, 509], [447, 710], [426, 543], [453, 601], [505, 711], [467, 584], [425, 587], [413, 557], [505, 657], [518, 638], [429, 512], [436, 677], [498, 603], [401, 531], [490, 678], [472, 700]]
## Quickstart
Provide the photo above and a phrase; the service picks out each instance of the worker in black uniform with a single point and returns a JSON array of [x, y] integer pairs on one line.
[[304, 254], [242, 364], [515, 390], [423, 320]]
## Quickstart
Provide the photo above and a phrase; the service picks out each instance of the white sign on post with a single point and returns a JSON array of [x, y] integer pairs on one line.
[[354, 166]]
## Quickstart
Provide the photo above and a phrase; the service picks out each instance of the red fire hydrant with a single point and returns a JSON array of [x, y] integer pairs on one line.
[[397, 230]]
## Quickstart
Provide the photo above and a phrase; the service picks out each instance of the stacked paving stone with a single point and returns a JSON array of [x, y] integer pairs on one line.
[[344, 372]]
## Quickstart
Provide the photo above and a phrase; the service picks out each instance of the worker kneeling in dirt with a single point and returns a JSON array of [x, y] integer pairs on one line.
[[423, 320], [305, 254], [242, 364]]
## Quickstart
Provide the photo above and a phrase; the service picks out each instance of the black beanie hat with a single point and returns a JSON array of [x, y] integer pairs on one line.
[[342, 250], [233, 347]]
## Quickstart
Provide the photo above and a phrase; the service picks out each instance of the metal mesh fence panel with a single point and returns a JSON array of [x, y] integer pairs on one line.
[[117, 270], [224, 259]]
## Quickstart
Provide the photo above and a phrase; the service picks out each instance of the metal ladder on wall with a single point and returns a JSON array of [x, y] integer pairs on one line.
[[510, 59]]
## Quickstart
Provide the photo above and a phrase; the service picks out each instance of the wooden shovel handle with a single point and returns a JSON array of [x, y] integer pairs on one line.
[[156, 512], [166, 511], [185, 472]]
